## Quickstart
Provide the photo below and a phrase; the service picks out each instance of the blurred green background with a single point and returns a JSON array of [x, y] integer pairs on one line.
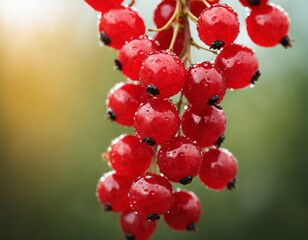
[[53, 83]]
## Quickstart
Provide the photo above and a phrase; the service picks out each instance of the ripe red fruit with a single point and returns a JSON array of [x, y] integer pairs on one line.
[[268, 25], [196, 7], [151, 196], [130, 157], [165, 71], [103, 5], [163, 12], [123, 100], [164, 40], [179, 160], [218, 23], [157, 119], [185, 211], [136, 227], [219, 168], [239, 65], [205, 126], [253, 3], [112, 192], [204, 82], [132, 55], [119, 25]]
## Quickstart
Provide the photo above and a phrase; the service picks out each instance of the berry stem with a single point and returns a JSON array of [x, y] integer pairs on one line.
[[196, 45], [206, 3], [176, 29]]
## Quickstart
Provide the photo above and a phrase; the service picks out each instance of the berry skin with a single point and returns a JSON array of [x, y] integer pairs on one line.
[[253, 3], [130, 157], [218, 23], [123, 100], [164, 40], [164, 12], [136, 227], [179, 160], [205, 126], [151, 196], [268, 25], [239, 65], [203, 82], [219, 168], [185, 211], [132, 55], [112, 192], [157, 119], [103, 5], [196, 7], [119, 25], [164, 70]]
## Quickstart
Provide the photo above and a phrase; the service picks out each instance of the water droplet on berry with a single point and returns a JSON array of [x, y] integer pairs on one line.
[[251, 85]]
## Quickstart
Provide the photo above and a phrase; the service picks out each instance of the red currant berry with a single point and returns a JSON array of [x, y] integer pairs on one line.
[[103, 5], [196, 7], [165, 71], [219, 169], [151, 195], [120, 25], [268, 25], [218, 23], [164, 40], [112, 192], [157, 119], [130, 157], [136, 227], [179, 160], [164, 12], [185, 211], [253, 3], [205, 126], [239, 65], [132, 55], [123, 100], [204, 84]]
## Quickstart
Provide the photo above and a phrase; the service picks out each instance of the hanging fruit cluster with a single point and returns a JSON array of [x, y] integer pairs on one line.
[[182, 141]]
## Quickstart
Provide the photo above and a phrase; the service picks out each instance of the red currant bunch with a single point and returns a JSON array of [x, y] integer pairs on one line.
[[173, 104]]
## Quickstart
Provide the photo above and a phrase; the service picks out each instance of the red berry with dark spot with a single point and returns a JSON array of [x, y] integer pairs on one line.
[[185, 211], [179, 160], [219, 168], [132, 55], [165, 71], [112, 192], [239, 65], [103, 5], [130, 157], [136, 227], [151, 195], [218, 23], [163, 12], [253, 3], [204, 82], [119, 25], [123, 100], [268, 25], [157, 119], [205, 126]]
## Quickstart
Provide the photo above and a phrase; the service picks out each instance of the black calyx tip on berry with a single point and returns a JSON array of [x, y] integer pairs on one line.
[[217, 45], [107, 207], [254, 2], [220, 140], [255, 77], [105, 39], [287, 42], [232, 184], [118, 64], [153, 217], [111, 114], [191, 227], [213, 102], [186, 180], [149, 141], [129, 236], [152, 89]]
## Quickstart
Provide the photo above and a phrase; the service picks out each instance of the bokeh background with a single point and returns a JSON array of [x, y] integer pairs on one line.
[[54, 79]]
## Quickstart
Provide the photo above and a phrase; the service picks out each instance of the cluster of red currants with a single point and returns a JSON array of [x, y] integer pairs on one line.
[[183, 144]]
